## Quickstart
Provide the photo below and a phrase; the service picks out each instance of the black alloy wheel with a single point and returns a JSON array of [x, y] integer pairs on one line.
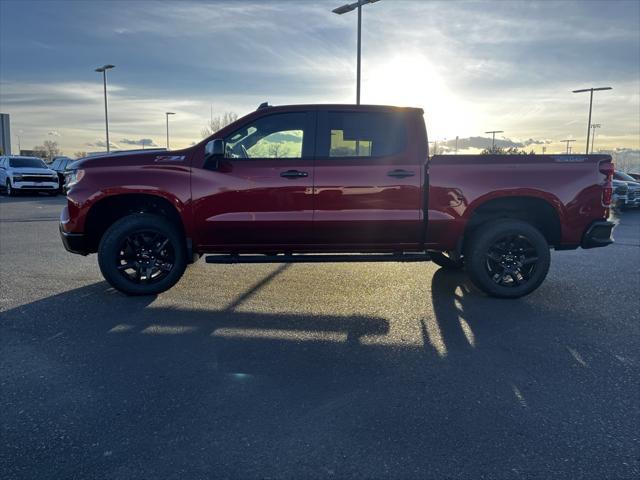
[[507, 258], [145, 257], [511, 260], [142, 254]]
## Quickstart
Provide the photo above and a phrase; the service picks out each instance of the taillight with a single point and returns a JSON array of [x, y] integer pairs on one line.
[[607, 168]]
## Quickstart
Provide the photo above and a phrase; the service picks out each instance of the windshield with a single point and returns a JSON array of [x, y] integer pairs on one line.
[[625, 177], [26, 163]]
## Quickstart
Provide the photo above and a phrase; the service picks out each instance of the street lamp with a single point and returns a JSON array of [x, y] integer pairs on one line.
[[593, 135], [493, 140], [347, 8], [567, 142], [103, 70], [591, 90], [167, 115]]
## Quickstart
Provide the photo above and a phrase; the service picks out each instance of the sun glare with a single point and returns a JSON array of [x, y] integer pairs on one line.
[[411, 80]]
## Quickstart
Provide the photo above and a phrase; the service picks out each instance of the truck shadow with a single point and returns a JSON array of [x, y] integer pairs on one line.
[[229, 393]]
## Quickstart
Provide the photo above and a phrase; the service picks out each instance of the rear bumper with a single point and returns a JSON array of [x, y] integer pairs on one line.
[[74, 242], [598, 234]]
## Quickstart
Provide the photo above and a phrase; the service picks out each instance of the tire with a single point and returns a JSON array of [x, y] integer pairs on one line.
[[130, 258], [447, 260], [507, 258], [9, 191]]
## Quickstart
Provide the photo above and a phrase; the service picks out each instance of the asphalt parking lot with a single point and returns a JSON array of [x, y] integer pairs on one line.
[[314, 371]]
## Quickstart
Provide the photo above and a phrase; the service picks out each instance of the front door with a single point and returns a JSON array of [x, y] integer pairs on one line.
[[261, 196], [368, 177]]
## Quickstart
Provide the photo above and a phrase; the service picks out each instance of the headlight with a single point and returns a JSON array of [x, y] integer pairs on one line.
[[17, 177], [74, 176]]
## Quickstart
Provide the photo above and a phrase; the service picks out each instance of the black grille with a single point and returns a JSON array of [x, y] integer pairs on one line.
[[36, 178]]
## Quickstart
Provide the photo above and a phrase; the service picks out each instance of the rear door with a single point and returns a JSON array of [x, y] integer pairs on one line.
[[262, 194], [367, 180]]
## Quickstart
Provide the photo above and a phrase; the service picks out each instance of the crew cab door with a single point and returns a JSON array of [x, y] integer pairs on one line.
[[261, 193], [368, 180]]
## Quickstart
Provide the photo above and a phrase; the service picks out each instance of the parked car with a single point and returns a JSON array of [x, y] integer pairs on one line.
[[633, 192], [351, 183], [19, 174], [620, 190], [60, 165]]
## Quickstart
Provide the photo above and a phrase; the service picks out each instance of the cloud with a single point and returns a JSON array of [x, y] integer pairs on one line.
[[53, 133], [103, 144], [479, 143], [145, 142]]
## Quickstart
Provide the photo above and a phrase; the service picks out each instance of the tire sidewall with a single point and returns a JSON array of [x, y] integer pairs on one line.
[[112, 240], [485, 237]]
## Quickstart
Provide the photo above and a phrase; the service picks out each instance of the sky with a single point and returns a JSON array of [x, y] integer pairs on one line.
[[473, 66]]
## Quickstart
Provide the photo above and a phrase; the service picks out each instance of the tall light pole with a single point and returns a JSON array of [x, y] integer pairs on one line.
[[167, 115], [567, 142], [347, 8], [591, 90], [493, 140], [593, 135], [103, 69]]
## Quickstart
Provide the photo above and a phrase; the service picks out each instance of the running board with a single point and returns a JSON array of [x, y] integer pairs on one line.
[[318, 258]]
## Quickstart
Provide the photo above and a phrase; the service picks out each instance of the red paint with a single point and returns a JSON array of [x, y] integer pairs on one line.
[[344, 204]]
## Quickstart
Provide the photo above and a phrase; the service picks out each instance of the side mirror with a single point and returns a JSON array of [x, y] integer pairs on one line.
[[213, 153]]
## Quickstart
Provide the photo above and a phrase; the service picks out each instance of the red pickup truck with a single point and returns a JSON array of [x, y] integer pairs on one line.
[[329, 183]]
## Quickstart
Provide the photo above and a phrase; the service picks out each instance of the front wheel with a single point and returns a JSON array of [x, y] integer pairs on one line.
[[507, 258], [142, 254], [9, 189]]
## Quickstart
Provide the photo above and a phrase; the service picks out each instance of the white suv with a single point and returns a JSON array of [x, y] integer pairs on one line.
[[27, 174]]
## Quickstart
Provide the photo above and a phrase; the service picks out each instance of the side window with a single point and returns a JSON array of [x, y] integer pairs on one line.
[[281, 135], [55, 164], [366, 134]]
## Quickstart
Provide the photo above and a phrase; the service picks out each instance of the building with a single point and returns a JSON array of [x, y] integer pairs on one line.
[[5, 134]]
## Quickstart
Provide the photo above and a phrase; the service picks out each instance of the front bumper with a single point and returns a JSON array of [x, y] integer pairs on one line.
[[598, 234], [74, 242], [18, 185]]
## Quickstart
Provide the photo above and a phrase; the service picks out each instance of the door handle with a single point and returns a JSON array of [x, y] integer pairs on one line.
[[292, 174], [399, 173]]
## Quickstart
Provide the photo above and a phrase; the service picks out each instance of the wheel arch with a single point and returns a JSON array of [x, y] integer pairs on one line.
[[542, 212], [109, 209]]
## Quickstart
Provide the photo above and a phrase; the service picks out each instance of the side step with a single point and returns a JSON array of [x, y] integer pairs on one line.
[[319, 258]]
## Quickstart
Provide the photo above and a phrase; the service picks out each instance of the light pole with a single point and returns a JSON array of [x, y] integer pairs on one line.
[[591, 90], [167, 115], [347, 8], [103, 70], [593, 135], [493, 140], [567, 142]]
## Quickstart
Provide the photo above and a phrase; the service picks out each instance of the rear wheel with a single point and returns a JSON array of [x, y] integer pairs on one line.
[[449, 260], [142, 254], [507, 258]]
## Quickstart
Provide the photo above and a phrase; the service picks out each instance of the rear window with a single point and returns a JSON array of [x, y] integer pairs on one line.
[[366, 134], [26, 163]]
